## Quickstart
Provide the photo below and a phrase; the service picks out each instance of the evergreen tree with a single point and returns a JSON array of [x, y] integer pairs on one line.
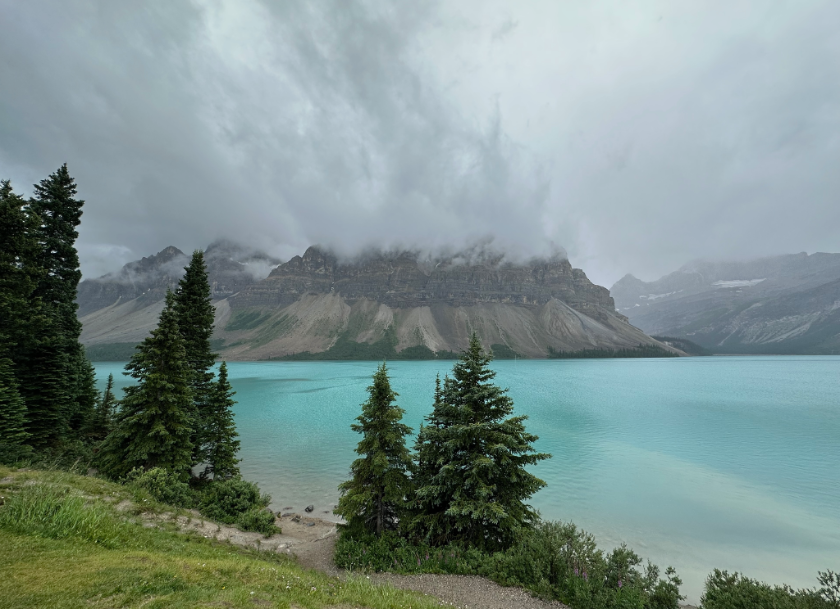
[[19, 272], [375, 498], [102, 421], [13, 435], [153, 427], [55, 377], [195, 313], [220, 430], [471, 479]]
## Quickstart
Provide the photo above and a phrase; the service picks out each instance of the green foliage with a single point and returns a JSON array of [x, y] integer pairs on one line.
[[13, 435], [258, 520], [375, 498], [641, 351], [153, 427], [220, 434], [73, 391], [470, 476], [102, 421], [725, 590], [503, 352], [227, 501], [194, 313], [19, 272], [163, 485], [552, 560]]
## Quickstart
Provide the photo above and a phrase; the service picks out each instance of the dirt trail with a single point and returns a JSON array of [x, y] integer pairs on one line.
[[312, 542]]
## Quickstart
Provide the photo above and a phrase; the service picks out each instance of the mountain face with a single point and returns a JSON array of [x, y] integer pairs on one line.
[[125, 306], [318, 303], [778, 305]]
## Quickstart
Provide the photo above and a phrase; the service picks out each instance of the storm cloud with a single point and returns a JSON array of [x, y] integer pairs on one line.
[[637, 136]]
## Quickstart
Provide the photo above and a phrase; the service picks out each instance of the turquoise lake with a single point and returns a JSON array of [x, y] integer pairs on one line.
[[727, 462]]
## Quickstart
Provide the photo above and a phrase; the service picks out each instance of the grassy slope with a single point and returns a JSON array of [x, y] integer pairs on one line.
[[97, 557]]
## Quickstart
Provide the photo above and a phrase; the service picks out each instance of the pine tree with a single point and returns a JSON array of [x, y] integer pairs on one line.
[[374, 499], [13, 435], [55, 376], [195, 313], [153, 426], [471, 479], [102, 421], [220, 430]]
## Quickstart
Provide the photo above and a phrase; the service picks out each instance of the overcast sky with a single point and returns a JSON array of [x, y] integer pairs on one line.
[[636, 135]]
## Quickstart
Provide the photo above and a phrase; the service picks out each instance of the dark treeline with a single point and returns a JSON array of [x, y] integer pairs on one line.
[[641, 351], [172, 432]]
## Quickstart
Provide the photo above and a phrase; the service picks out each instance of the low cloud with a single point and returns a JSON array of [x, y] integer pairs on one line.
[[637, 138]]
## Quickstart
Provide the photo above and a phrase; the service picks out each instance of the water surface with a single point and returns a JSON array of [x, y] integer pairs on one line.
[[728, 462]]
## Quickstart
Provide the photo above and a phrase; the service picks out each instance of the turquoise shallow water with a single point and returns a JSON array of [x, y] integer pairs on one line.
[[728, 462]]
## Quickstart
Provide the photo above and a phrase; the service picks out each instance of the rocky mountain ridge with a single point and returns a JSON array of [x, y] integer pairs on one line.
[[774, 305], [318, 303]]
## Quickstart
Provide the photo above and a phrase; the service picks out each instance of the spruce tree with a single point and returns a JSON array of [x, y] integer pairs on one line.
[[195, 313], [471, 479], [103, 418], [56, 360], [153, 425], [13, 435], [374, 499], [220, 430]]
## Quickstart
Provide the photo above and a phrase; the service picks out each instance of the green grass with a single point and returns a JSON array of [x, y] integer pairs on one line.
[[62, 544]]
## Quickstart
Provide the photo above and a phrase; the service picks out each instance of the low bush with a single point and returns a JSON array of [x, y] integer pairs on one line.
[[553, 560], [725, 590], [163, 485], [258, 520], [227, 501]]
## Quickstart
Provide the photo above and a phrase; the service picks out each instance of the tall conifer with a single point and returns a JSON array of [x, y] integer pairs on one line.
[[195, 314], [375, 498], [220, 435], [471, 479], [56, 378], [153, 426]]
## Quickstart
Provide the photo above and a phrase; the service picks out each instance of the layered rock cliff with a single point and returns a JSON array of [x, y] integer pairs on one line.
[[318, 303]]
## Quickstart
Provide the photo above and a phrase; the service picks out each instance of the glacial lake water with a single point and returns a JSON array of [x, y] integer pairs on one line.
[[728, 462]]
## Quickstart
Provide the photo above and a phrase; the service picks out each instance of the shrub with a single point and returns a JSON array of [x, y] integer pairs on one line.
[[554, 561], [258, 520], [164, 486], [227, 501], [725, 590]]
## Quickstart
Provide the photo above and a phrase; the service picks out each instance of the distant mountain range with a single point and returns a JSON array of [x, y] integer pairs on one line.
[[786, 304], [381, 304]]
